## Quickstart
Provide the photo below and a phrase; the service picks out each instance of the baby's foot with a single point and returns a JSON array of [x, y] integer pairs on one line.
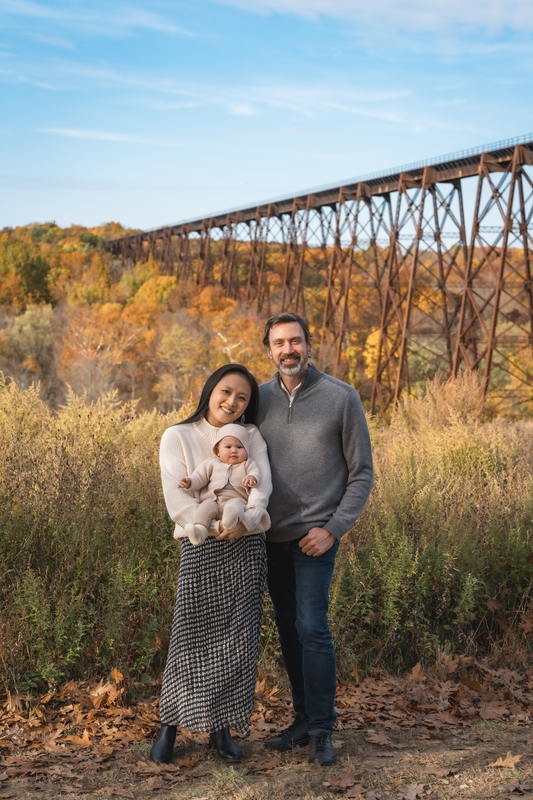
[[197, 533], [230, 517]]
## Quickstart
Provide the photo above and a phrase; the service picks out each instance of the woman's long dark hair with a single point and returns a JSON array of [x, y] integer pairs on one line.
[[250, 414]]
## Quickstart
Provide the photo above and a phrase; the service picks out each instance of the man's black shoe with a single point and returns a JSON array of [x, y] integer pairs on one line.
[[226, 747], [321, 749], [296, 734], [163, 746]]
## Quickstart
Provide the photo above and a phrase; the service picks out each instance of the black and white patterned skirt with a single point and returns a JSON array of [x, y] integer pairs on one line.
[[209, 678]]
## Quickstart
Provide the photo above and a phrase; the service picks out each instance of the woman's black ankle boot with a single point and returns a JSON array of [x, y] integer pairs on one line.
[[226, 747], [163, 746]]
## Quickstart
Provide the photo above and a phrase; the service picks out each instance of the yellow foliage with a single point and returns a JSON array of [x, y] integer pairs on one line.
[[93, 286], [156, 289], [132, 279], [371, 352], [210, 301]]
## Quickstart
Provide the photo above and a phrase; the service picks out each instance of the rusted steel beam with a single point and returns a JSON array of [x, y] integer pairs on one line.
[[383, 265]]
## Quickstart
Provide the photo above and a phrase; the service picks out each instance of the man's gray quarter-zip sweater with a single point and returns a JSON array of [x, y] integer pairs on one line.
[[320, 455]]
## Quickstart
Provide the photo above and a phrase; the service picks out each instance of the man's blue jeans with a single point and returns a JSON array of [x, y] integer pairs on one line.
[[299, 588]]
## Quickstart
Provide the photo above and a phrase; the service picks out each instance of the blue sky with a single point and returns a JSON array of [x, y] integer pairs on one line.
[[151, 112]]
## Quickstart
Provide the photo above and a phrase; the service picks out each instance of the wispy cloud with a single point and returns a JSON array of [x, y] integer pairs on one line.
[[363, 112], [162, 105], [300, 99], [242, 109], [415, 15], [308, 100], [59, 183], [100, 19], [109, 136], [395, 107], [53, 41], [16, 76], [459, 101]]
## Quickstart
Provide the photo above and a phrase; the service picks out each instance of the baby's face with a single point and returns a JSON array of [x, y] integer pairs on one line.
[[231, 450]]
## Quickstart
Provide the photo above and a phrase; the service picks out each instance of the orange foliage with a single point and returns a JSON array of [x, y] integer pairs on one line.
[[132, 328]]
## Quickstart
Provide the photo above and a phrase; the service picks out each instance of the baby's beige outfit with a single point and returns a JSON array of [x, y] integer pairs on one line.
[[220, 485]]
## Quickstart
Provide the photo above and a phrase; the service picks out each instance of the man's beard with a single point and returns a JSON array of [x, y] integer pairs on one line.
[[291, 371]]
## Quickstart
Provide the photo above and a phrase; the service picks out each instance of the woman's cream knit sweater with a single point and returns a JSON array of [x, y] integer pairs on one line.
[[183, 448]]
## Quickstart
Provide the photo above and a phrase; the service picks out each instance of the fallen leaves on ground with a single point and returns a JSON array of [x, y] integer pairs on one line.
[[410, 792], [378, 738], [60, 737], [270, 766], [442, 773], [506, 763], [344, 781], [513, 787]]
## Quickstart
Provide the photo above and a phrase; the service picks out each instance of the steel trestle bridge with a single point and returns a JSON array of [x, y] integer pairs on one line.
[[422, 269]]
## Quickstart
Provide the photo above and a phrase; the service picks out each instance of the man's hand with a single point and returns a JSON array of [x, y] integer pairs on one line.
[[235, 533], [317, 542], [250, 480]]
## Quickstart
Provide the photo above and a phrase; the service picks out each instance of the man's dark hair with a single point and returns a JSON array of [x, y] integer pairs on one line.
[[280, 319], [228, 369]]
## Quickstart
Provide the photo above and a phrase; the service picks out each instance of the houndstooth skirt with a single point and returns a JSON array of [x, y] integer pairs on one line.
[[209, 678]]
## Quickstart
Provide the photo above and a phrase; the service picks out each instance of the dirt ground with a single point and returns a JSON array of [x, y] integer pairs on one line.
[[461, 730], [413, 766]]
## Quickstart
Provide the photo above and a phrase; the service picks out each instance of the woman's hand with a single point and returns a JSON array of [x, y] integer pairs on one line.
[[235, 533]]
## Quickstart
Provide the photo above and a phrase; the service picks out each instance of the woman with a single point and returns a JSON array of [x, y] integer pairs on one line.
[[209, 677]]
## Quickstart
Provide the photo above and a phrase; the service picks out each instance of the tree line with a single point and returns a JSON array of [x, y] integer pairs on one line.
[[74, 316]]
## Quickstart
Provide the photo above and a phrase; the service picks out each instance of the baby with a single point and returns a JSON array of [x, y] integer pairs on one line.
[[223, 481]]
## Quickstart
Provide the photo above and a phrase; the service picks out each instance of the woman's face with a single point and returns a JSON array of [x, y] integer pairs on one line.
[[229, 399]]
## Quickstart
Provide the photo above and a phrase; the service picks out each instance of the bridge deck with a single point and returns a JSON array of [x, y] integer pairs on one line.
[[441, 169]]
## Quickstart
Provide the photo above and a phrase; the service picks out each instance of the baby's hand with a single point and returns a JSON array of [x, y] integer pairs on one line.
[[250, 480], [184, 483]]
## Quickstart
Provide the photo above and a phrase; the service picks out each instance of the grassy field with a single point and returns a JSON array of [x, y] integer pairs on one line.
[[441, 560]]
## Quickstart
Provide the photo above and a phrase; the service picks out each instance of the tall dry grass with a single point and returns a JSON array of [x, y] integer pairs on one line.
[[87, 559], [441, 558]]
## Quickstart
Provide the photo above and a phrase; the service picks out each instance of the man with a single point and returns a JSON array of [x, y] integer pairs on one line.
[[319, 448]]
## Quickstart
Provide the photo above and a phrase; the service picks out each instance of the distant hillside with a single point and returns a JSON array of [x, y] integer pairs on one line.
[[72, 315]]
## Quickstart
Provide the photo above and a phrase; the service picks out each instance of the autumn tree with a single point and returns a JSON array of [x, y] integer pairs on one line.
[[23, 273], [26, 345]]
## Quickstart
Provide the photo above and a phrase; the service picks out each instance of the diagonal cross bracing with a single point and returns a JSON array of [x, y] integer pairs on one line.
[[403, 273]]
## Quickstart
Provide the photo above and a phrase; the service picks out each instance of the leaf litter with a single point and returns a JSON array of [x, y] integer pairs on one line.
[[62, 740]]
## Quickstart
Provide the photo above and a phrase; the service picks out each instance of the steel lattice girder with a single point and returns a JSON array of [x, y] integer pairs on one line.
[[392, 265]]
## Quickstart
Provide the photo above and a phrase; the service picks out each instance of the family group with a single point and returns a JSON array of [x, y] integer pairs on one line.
[[262, 482]]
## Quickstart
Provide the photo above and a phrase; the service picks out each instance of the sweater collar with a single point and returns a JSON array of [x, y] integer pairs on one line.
[[207, 430]]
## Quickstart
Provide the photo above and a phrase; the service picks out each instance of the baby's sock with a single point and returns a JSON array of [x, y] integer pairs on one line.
[[230, 516], [197, 533]]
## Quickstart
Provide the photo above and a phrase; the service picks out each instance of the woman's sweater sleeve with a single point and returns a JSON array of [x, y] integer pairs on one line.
[[256, 518], [181, 505]]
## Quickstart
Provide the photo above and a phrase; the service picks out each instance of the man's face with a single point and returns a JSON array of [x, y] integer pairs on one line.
[[288, 349]]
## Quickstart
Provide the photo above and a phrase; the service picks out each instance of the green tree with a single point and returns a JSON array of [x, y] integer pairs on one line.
[[24, 271]]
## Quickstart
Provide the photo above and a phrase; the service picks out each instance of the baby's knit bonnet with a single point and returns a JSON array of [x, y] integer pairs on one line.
[[233, 429]]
